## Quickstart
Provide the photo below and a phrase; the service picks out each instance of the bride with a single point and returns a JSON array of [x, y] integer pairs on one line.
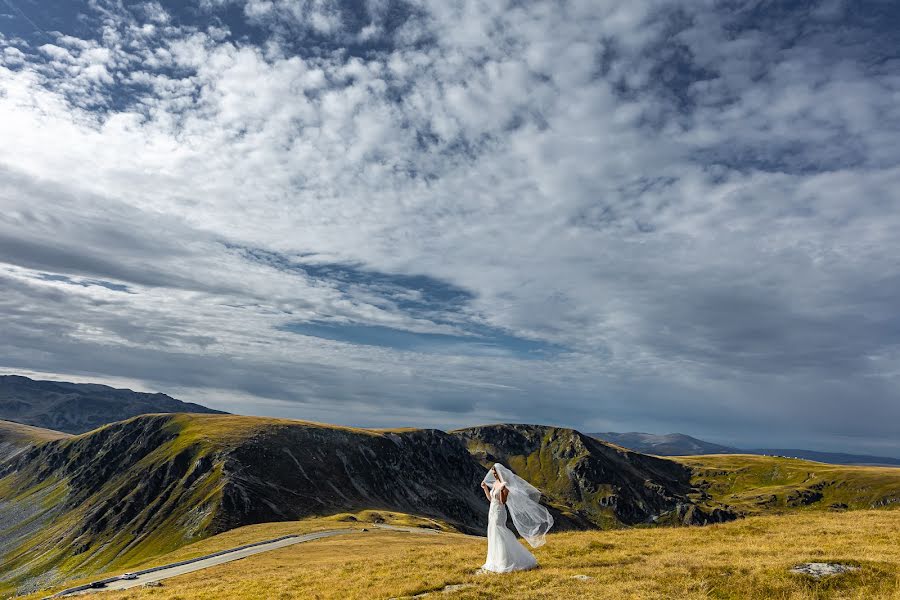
[[506, 490]]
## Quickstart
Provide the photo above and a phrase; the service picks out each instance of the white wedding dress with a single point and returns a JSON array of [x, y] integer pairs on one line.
[[504, 553]]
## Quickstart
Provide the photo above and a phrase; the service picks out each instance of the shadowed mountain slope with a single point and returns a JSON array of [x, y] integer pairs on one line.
[[590, 481], [134, 489], [148, 485], [79, 407]]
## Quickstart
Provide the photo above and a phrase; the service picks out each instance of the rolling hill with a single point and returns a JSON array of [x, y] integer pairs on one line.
[[137, 488], [15, 438], [750, 484], [834, 458], [79, 407], [134, 490]]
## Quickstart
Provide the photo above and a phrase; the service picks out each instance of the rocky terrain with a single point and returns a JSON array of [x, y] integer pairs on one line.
[[591, 482], [136, 489], [79, 407], [153, 483], [752, 485]]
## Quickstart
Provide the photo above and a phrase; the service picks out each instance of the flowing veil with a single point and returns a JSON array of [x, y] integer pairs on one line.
[[532, 520]]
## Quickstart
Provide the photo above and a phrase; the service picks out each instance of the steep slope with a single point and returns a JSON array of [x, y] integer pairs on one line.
[[129, 491], [588, 481], [16, 438], [79, 407], [148, 485], [670, 444]]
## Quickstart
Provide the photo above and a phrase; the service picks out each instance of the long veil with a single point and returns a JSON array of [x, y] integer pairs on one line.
[[532, 520]]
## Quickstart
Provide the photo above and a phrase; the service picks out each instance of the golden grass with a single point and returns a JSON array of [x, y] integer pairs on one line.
[[747, 559], [248, 534], [16, 432], [224, 430]]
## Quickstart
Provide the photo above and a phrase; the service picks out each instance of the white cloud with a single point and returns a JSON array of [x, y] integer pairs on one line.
[[698, 213], [57, 53]]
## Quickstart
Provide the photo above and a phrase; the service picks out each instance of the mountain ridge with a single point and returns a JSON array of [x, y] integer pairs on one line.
[[80, 407], [680, 444], [593, 481], [137, 488]]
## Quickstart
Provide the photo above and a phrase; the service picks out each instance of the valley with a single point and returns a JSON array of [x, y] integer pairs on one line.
[[140, 491]]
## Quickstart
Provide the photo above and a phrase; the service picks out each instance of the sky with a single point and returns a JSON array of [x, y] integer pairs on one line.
[[649, 215]]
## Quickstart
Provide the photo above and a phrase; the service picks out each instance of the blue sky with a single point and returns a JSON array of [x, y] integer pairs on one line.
[[646, 215]]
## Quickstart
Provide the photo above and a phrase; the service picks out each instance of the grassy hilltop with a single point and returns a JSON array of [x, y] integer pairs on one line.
[[16, 438], [133, 490]]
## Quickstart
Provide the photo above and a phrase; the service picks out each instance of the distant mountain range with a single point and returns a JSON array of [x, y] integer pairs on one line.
[[679, 444], [79, 407], [670, 444]]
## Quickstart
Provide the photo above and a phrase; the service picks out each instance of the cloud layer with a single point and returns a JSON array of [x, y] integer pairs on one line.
[[650, 214]]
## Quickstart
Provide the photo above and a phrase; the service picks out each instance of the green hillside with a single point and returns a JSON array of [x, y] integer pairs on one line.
[[28, 435], [591, 481], [751, 484], [149, 485]]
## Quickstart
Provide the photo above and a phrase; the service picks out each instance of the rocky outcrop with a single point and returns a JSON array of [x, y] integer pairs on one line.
[[294, 472], [803, 497], [591, 481]]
